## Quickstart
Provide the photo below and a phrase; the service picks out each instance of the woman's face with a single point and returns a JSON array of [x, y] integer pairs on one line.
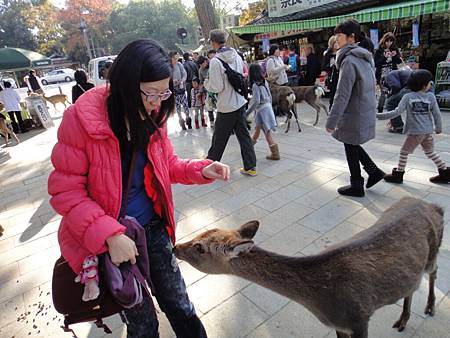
[[335, 46], [153, 93], [389, 43], [277, 52]]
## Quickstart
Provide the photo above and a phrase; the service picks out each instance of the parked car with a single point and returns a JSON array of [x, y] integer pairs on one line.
[[58, 75], [98, 69]]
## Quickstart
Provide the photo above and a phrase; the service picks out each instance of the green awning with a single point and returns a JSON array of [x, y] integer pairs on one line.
[[12, 59], [402, 10]]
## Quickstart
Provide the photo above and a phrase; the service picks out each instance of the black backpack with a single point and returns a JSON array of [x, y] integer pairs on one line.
[[237, 80]]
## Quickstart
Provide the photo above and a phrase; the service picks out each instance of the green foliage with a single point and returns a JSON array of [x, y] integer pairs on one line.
[[14, 30], [151, 19]]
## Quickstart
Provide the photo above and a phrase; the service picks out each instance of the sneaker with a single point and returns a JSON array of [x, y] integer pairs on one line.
[[249, 172]]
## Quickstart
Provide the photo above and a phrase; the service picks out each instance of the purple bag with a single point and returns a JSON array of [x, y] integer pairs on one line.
[[127, 282]]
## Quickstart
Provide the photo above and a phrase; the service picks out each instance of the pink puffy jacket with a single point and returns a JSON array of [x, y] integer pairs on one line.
[[86, 185]]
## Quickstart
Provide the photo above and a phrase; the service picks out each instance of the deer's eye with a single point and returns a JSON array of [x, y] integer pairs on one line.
[[199, 248]]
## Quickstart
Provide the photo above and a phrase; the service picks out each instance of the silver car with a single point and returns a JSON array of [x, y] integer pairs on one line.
[[58, 75]]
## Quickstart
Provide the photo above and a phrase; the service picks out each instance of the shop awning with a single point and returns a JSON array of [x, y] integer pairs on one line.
[[389, 12], [12, 59]]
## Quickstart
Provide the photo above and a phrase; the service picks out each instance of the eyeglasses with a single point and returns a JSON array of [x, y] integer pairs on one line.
[[155, 97]]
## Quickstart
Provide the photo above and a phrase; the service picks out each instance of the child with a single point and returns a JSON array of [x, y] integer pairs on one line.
[[261, 102], [198, 102], [421, 111]]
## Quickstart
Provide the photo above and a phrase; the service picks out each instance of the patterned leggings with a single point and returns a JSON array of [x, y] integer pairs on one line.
[[427, 143], [181, 102]]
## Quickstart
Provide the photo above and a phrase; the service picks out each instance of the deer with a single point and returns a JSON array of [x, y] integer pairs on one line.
[[57, 98], [346, 283], [311, 95], [283, 100]]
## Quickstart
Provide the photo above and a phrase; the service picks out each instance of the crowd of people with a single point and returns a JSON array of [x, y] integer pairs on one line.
[[112, 143]]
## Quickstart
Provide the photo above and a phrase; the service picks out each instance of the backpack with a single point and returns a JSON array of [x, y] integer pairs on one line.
[[237, 80], [292, 61]]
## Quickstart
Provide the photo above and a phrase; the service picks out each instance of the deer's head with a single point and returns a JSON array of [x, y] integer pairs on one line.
[[211, 251]]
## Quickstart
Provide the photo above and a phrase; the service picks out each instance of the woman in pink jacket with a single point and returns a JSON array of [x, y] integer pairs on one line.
[[91, 158]]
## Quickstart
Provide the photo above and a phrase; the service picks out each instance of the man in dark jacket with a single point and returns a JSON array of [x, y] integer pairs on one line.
[[312, 67], [192, 72]]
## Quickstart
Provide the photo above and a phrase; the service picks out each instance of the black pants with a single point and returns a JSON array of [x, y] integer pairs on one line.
[[356, 154], [224, 125], [13, 115], [188, 90]]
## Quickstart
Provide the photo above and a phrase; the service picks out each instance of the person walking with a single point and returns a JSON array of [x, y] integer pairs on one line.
[[191, 69], [179, 86], [352, 117], [423, 118], [34, 83], [231, 115], [275, 67], [293, 73], [98, 137], [210, 98], [312, 67], [11, 101], [261, 102], [329, 66], [82, 84]]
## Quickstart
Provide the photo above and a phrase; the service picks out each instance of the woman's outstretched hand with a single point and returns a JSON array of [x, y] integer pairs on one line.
[[217, 170], [122, 249]]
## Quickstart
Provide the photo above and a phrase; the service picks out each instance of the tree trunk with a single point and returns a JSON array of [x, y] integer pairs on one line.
[[206, 16]]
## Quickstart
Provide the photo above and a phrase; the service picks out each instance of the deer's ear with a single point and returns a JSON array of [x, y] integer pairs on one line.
[[249, 229], [239, 247]]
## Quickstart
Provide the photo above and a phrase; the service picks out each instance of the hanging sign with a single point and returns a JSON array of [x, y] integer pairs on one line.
[[415, 31], [265, 45], [374, 37], [285, 7]]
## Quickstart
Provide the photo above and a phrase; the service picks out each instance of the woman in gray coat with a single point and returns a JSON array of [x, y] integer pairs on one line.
[[353, 114]]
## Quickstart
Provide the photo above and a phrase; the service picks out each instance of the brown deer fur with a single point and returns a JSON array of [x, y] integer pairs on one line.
[[311, 95], [5, 131], [58, 98], [283, 100], [343, 285], [1, 231]]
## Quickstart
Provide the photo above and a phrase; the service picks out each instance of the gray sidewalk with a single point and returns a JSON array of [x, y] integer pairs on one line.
[[294, 199]]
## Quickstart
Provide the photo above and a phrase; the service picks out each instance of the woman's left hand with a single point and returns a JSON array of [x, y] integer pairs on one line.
[[217, 170], [329, 130]]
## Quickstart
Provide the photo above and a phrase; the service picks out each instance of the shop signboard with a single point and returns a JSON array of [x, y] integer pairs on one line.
[[38, 110], [284, 7]]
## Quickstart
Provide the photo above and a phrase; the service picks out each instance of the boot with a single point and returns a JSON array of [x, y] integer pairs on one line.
[[356, 188], [182, 124], [204, 122], [274, 153], [189, 123], [197, 125], [395, 177], [443, 177], [375, 175]]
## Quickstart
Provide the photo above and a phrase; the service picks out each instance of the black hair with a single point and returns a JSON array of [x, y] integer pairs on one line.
[[196, 79], [349, 27], [172, 53], [201, 59], [80, 76], [7, 84], [389, 36], [143, 60], [273, 48], [419, 79], [211, 51], [292, 47], [186, 56], [255, 75], [366, 43]]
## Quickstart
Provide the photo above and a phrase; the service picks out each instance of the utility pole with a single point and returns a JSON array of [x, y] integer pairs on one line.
[[206, 16]]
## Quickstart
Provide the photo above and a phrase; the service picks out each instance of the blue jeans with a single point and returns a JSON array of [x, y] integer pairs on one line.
[[170, 292]]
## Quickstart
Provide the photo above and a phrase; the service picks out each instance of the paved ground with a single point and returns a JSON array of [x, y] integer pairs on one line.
[[295, 200]]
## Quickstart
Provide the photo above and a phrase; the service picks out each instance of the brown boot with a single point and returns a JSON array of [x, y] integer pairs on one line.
[[274, 152]]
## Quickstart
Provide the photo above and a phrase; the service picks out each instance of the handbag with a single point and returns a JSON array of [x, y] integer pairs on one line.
[[120, 287]]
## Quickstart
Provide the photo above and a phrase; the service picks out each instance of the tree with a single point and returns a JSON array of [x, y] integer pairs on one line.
[[14, 28], [150, 19], [253, 10], [206, 16]]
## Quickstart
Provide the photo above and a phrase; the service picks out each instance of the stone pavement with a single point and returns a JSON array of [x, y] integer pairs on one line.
[[295, 200]]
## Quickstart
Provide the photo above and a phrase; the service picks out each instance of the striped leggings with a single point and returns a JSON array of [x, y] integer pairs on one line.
[[411, 143]]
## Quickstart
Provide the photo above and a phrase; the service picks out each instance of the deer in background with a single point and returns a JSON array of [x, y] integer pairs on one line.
[[345, 284], [283, 100]]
